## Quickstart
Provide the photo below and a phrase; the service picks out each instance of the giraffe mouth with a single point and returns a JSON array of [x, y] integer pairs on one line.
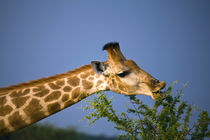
[[157, 91], [159, 87]]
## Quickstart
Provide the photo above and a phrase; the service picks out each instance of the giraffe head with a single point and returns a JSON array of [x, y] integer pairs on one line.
[[124, 76]]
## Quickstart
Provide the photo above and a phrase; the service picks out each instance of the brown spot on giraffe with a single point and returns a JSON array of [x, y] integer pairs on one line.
[[54, 107], [3, 128], [4, 110], [74, 81], [19, 101], [91, 78], [19, 93], [65, 97], [42, 93], [67, 89], [3, 100], [16, 120], [83, 95], [14, 94], [60, 82], [54, 86], [33, 110], [84, 75], [52, 96], [26, 91], [99, 82], [92, 73], [86, 84], [38, 88], [68, 103], [75, 93]]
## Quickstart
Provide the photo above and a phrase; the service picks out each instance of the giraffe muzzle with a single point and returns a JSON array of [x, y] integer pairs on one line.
[[159, 87], [157, 91]]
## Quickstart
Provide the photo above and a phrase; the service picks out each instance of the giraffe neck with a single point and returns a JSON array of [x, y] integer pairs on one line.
[[26, 103]]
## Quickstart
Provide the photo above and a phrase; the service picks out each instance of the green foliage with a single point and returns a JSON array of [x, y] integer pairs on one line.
[[167, 118], [50, 132]]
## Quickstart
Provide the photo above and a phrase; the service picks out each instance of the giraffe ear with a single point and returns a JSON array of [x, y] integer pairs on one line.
[[98, 67]]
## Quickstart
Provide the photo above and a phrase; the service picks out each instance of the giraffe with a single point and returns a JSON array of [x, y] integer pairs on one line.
[[27, 103]]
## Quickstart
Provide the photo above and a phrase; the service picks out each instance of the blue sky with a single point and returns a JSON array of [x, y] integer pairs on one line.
[[168, 39]]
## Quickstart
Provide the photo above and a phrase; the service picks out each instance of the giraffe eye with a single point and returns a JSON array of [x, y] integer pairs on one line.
[[123, 74]]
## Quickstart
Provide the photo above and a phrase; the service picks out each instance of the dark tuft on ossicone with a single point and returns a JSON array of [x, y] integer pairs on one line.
[[110, 45]]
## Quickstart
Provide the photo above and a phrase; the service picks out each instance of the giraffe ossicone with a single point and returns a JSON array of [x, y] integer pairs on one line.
[[26, 103]]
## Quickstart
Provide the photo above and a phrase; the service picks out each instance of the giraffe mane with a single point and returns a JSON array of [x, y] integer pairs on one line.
[[5, 90]]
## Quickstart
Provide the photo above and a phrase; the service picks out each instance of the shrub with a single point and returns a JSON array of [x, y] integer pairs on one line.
[[168, 118]]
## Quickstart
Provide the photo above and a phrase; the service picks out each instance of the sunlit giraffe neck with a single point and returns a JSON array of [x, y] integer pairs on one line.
[[29, 102], [26, 103]]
